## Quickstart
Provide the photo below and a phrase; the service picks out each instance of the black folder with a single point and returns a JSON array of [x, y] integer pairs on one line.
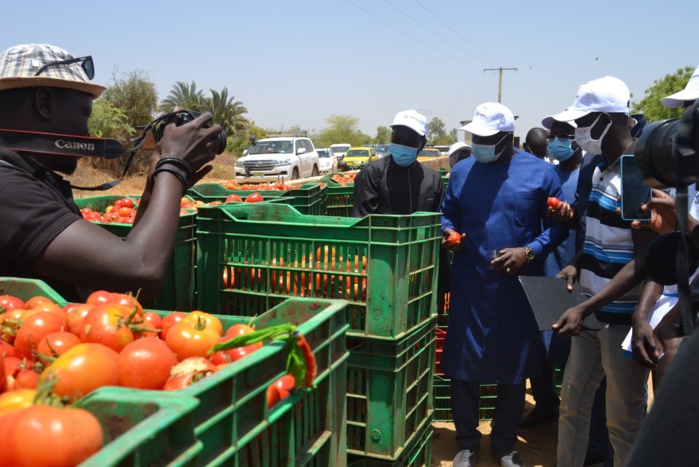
[[549, 299]]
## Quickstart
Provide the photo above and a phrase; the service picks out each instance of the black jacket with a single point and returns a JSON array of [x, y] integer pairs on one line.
[[383, 187]]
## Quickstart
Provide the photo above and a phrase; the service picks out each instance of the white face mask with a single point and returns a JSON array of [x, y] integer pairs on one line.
[[585, 141]]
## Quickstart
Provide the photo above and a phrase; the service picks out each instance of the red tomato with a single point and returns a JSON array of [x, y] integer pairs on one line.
[[200, 318], [254, 198], [3, 380], [66, 437], [145, 364], [454, 238], [280, 389], [239, 330], [26, 379], [98, 296], [105, 325], [93, 217], [151, 320], [189, 371], [83, 369], [169, 321], [552, 202], [76, 317], [233, 199], [127, 203], [187, 341], [56, 344], [36, 301], [128, 301], [34, 329], [9, 302], [6, 349]]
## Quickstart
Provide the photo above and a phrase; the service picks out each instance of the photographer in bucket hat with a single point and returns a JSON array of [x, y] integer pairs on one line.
[[497, 198], [610, 266], [46, 91]]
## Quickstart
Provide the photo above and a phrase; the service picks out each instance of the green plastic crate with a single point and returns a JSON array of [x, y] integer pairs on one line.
[[340, 200], [389, 392], [24, 289], [442, 400], [416, 454], [232, 420], [143, 428], [271, 252], [178, 292], [309, 198]]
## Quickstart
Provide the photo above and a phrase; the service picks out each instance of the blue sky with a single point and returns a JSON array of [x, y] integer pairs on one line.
[[298, 62]]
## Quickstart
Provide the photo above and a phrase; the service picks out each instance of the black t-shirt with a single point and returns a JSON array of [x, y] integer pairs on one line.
[[35, 207]]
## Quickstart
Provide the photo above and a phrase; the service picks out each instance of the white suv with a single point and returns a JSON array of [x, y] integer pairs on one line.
[[279, 158]]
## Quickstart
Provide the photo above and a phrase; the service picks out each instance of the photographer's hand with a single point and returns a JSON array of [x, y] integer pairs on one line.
[[194, 142], [663, 215]]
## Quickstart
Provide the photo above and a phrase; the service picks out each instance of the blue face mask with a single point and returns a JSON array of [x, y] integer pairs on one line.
[[560, 149], [485, 153], [402, 155]]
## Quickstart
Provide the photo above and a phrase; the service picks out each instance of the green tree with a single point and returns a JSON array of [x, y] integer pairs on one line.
[[651, 105], [184, 96], [383, 135], [437, 133], [342, 129], [109, 121], [227, 112], [135, 95]]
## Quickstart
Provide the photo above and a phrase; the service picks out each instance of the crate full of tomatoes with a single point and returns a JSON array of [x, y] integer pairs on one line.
[[340, 197], [254, 257], [170, 387], [178, 288]]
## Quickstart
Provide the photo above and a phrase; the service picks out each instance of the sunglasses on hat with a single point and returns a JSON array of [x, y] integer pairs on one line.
[[85, 62]]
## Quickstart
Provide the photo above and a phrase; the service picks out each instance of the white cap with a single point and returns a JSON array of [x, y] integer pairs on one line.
[[413, 120], [547, 122], [608, 94], [490, 118], [456, 147], [689, 93]]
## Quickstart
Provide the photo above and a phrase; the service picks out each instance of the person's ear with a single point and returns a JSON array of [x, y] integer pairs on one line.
[[44, 102], [423, 142]]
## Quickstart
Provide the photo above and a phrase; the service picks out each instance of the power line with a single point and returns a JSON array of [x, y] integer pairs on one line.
[[455, 31], [433, 32], [409, 35]]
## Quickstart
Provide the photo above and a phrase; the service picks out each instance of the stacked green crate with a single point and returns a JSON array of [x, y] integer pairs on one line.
[[309, 198], [178, 288], [340, 197], [384, 265]]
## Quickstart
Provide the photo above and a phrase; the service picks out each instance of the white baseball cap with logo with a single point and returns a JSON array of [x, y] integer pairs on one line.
[[490, 118], [608, 94], [689, 93], [413, 120]]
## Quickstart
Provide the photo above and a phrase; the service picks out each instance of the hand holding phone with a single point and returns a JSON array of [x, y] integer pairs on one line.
[[634, 193]]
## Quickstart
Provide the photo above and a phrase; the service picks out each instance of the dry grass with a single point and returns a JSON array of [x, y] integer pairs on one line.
[[133, 184]]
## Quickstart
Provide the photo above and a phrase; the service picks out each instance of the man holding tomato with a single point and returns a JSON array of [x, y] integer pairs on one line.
[[44, 89], [498, 199]]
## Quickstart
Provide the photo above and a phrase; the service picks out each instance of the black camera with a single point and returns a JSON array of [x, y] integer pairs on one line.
[[185, 116], [668, 151]]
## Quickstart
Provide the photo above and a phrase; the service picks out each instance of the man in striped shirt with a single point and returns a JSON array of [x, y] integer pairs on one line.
[[610, 267]]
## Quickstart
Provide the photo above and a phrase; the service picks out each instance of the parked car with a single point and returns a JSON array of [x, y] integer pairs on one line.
[[358, 157], [340, 149], [382, 150], [444, 150], [286, 158], [428, 154], [328, 162]]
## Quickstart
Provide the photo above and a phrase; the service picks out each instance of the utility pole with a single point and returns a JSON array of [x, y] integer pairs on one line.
[[500, 83]]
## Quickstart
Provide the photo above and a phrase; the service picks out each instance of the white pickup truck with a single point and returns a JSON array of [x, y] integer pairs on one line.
[[279, 158]]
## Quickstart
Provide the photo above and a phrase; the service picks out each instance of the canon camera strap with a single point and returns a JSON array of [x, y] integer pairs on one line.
[[70, 146]]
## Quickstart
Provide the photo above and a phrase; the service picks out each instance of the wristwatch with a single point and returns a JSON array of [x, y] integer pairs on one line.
[[529, 253]]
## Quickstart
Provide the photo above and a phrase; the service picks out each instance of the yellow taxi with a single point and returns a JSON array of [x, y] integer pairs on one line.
[[358, 157]]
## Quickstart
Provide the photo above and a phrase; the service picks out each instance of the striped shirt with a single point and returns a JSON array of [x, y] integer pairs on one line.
[[608, 244]]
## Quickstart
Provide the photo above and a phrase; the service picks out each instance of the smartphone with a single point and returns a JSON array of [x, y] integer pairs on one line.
[[496, 254], [634, 193]]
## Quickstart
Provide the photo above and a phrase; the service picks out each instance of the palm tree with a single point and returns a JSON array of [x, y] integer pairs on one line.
[[227, 112], [185, 96]]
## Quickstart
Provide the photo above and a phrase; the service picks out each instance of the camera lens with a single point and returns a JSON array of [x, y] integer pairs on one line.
[[655, 153], [189, 115]]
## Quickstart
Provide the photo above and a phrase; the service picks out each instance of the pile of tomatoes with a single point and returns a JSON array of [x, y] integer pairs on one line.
[[271, 186], [344, 178], [122, 211]]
